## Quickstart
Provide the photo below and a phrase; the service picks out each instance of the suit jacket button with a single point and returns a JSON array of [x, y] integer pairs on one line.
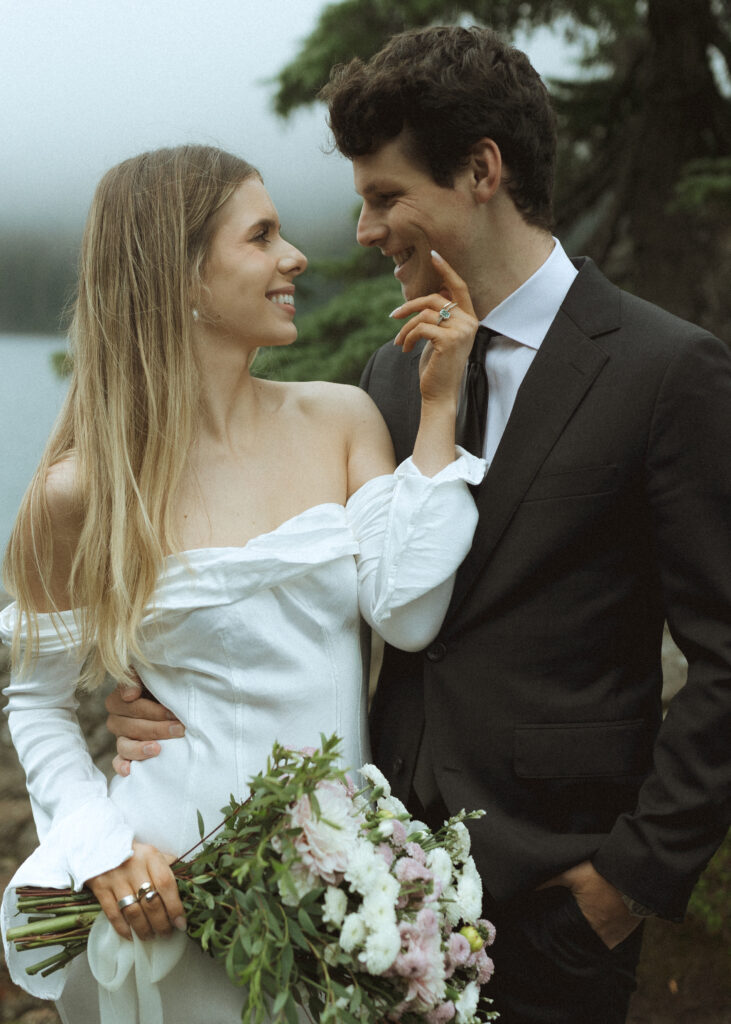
[[398, 763], [437, 651]]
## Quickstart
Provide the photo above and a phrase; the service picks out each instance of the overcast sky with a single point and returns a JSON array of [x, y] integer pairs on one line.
[[86, 83]]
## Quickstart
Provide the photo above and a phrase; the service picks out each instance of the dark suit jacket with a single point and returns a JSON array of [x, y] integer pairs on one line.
[[606, 510]]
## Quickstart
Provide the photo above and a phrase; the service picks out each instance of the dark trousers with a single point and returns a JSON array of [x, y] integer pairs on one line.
[[552, 968]]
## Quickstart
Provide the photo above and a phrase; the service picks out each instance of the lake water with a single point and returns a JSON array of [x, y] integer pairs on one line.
[[31, 394]]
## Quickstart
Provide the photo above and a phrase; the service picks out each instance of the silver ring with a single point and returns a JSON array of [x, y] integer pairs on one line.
[[145, 887], [126, 901], [149, 896], [445, 311]]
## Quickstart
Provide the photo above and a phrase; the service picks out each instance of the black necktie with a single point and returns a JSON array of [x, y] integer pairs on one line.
[[472, 413]]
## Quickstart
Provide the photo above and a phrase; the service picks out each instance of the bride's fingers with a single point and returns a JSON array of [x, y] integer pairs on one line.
[[141, 894], [457, 332], [458, 290]]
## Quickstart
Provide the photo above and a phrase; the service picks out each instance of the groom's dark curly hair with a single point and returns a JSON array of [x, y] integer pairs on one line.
[[447, 87]]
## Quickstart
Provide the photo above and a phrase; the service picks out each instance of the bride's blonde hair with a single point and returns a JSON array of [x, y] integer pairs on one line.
[[133, 401]]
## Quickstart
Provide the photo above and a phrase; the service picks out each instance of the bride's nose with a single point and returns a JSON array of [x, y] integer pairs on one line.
[[293, 261]]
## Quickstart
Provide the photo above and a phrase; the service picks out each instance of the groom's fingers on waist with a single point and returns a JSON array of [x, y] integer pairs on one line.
[[136, 750], [144, 728], [142, 707], [121, 766]]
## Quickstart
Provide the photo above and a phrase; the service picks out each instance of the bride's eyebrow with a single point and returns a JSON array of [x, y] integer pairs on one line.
[[266, 222]]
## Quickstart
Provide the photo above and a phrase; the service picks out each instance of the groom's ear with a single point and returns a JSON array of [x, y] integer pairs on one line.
[[485, 169]]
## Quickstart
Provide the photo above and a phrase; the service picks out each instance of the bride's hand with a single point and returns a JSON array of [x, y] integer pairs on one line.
[[449, 339], [148, 917]]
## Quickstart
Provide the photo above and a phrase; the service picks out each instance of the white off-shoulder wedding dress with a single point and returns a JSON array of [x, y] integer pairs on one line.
[[246, 646]]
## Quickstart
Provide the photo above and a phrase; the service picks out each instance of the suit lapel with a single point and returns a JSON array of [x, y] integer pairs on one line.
[[563, 370]]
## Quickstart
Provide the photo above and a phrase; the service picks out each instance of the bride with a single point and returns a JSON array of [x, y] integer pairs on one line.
[[220, 534]]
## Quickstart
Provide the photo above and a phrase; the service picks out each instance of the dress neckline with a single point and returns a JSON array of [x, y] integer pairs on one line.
[[186, 552]]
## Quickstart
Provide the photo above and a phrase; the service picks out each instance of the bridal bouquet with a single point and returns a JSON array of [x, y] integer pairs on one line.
[[313, 892]]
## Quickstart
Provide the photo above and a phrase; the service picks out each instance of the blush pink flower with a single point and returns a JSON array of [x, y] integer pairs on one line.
[[421, 961], [441, 1014], [410, 870], [458, 952], [489, 928], [485, 966], [415, 852], [325, 842], [386, 852], [398, 836]]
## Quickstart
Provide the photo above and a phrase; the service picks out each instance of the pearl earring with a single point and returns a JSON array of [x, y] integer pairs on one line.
[[196, 315]]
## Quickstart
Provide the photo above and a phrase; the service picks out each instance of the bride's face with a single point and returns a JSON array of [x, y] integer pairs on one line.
[[249, 272]]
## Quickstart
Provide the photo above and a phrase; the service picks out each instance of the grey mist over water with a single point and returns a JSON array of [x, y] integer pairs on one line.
[[31, 394]]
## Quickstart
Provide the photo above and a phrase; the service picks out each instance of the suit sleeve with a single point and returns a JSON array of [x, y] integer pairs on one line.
[[656, 853]]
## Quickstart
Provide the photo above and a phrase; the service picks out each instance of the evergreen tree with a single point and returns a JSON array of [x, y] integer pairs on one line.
[[644, 173]]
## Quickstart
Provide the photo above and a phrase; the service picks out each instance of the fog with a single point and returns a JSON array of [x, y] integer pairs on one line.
[[87, 83]]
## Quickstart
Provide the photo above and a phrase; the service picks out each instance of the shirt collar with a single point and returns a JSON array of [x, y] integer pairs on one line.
[[529, 311]]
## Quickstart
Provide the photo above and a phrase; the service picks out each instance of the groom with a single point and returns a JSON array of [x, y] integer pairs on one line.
[[606, 509]]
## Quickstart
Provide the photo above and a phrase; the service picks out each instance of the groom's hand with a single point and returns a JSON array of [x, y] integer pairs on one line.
[[599, 901], [138, 723]]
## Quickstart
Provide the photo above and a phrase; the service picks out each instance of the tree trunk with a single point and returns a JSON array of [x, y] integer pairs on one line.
[[680, 260]]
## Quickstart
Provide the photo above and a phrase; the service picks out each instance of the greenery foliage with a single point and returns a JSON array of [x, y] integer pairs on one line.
[[335, 341]]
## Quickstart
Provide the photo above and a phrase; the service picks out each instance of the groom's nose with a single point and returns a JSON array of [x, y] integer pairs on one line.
[[371, 229]]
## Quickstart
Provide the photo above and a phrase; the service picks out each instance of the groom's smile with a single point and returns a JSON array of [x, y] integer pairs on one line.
[[406, 214]]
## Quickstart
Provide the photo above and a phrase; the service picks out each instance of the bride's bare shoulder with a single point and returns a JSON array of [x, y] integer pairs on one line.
[[345, 402], [64, 499]]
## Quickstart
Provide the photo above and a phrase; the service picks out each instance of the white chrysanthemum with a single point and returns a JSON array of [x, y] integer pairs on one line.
[[352, 933], [440, 864], [469, 891], [381, 949], [452, 908], [335, 905], [463, 841], [378, 911], [385, 828], [466, 1005], [393, 805], [415, 828], [365, 868], [387, 887], [376, 778]]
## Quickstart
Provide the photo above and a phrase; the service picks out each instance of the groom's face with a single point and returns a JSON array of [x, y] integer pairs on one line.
[[406, 215]]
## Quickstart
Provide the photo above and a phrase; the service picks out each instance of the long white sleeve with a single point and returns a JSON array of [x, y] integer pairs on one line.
[[80, 830], [413, 532]]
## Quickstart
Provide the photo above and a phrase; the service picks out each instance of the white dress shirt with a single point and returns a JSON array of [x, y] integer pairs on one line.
[[521, 322]]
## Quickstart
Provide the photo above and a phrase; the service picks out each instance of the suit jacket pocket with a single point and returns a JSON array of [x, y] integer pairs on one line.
[[573, 483], [582, 750]]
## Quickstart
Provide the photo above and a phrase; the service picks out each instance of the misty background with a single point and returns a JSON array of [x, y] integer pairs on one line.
[[87, 83]]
